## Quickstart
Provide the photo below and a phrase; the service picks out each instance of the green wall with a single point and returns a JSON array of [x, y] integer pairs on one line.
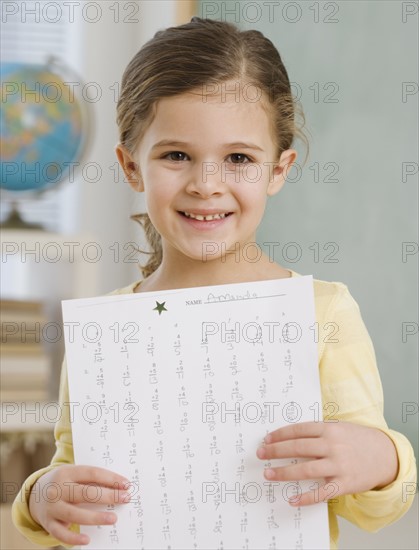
[[355, 65]]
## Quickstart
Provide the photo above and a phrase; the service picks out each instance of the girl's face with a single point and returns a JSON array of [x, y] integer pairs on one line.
[[206, 165]]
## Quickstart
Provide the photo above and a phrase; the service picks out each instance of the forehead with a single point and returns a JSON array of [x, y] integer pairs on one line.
[[227, 94], [211, 114], [232, 90]]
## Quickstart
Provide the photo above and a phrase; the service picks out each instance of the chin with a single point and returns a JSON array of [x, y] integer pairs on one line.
[[199, 256]]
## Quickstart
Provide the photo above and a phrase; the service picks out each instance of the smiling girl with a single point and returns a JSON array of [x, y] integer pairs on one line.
[[206, 120], [197, 163]]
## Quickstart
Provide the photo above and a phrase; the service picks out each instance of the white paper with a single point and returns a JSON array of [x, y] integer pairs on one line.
[[178, 401]]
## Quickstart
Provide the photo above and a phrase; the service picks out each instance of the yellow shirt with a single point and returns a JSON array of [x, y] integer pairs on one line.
[[349, 378]]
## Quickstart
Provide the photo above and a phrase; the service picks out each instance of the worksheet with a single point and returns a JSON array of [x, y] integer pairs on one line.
[[175, 390]]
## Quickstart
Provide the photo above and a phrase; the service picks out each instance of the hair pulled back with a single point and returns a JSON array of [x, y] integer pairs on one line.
[[201, 54]]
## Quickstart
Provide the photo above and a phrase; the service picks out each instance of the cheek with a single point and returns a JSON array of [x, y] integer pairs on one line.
[[253, 205], [254, 180], [158, 199], [253, 196], [154, 186], [154, 210], [156, 196]]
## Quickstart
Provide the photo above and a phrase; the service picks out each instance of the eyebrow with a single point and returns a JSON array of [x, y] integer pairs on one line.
[[175, 143]]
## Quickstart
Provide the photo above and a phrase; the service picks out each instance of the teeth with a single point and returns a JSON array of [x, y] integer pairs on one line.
[[206, 218]]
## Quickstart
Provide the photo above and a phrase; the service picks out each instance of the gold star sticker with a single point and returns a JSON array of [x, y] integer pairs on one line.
[[160, 307]]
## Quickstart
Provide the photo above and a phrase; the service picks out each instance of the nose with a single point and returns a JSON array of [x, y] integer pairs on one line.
[[206, 180]]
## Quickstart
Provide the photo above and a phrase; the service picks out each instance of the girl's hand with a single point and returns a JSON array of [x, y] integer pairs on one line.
[[55, 498], [350, 457]]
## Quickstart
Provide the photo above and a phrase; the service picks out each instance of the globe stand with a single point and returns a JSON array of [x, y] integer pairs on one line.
[[14, 221], [41, 138]]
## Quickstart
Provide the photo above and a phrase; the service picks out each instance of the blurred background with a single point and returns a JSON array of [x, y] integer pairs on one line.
[[349, 214]]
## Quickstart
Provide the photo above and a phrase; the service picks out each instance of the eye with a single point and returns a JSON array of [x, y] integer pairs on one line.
[[240, 157], [174, 156]]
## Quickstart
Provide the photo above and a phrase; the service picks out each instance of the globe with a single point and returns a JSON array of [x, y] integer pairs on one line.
[[43, 125]]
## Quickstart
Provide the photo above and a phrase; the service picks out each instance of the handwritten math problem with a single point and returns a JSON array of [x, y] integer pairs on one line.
[[176, 391]]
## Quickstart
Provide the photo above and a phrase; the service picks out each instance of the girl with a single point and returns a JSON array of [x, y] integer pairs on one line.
[[203, 108]]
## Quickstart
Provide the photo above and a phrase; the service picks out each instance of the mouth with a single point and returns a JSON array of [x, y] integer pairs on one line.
[[205, 217]]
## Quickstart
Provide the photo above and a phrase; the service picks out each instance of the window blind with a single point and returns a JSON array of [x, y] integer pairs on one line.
[[31, 32]]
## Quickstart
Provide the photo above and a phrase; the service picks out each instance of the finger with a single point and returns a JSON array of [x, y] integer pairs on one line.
[[77, 493], [305, 447], [63, 534], [99, 476], [295, 431], [311, 469], [69, 513], [321, 494]]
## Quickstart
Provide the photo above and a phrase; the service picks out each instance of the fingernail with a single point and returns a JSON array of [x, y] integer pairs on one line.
[[261, 452], [124, 497], [268, 438], [269, 473], [110, 518]]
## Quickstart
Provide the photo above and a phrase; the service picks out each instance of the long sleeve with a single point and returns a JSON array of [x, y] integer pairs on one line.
[[21, 516], [350, 379], [64, 454]]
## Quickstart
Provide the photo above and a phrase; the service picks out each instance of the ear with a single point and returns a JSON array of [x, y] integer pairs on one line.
[[130, 168], [279, 171]]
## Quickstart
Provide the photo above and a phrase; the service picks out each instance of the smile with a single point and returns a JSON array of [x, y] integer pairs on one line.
[[207, 218]]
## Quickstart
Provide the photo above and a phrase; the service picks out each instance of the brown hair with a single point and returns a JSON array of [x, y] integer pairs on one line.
[[201, 53]]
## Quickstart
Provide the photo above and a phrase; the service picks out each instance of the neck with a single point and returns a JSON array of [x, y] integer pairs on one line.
[[187, 273]]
